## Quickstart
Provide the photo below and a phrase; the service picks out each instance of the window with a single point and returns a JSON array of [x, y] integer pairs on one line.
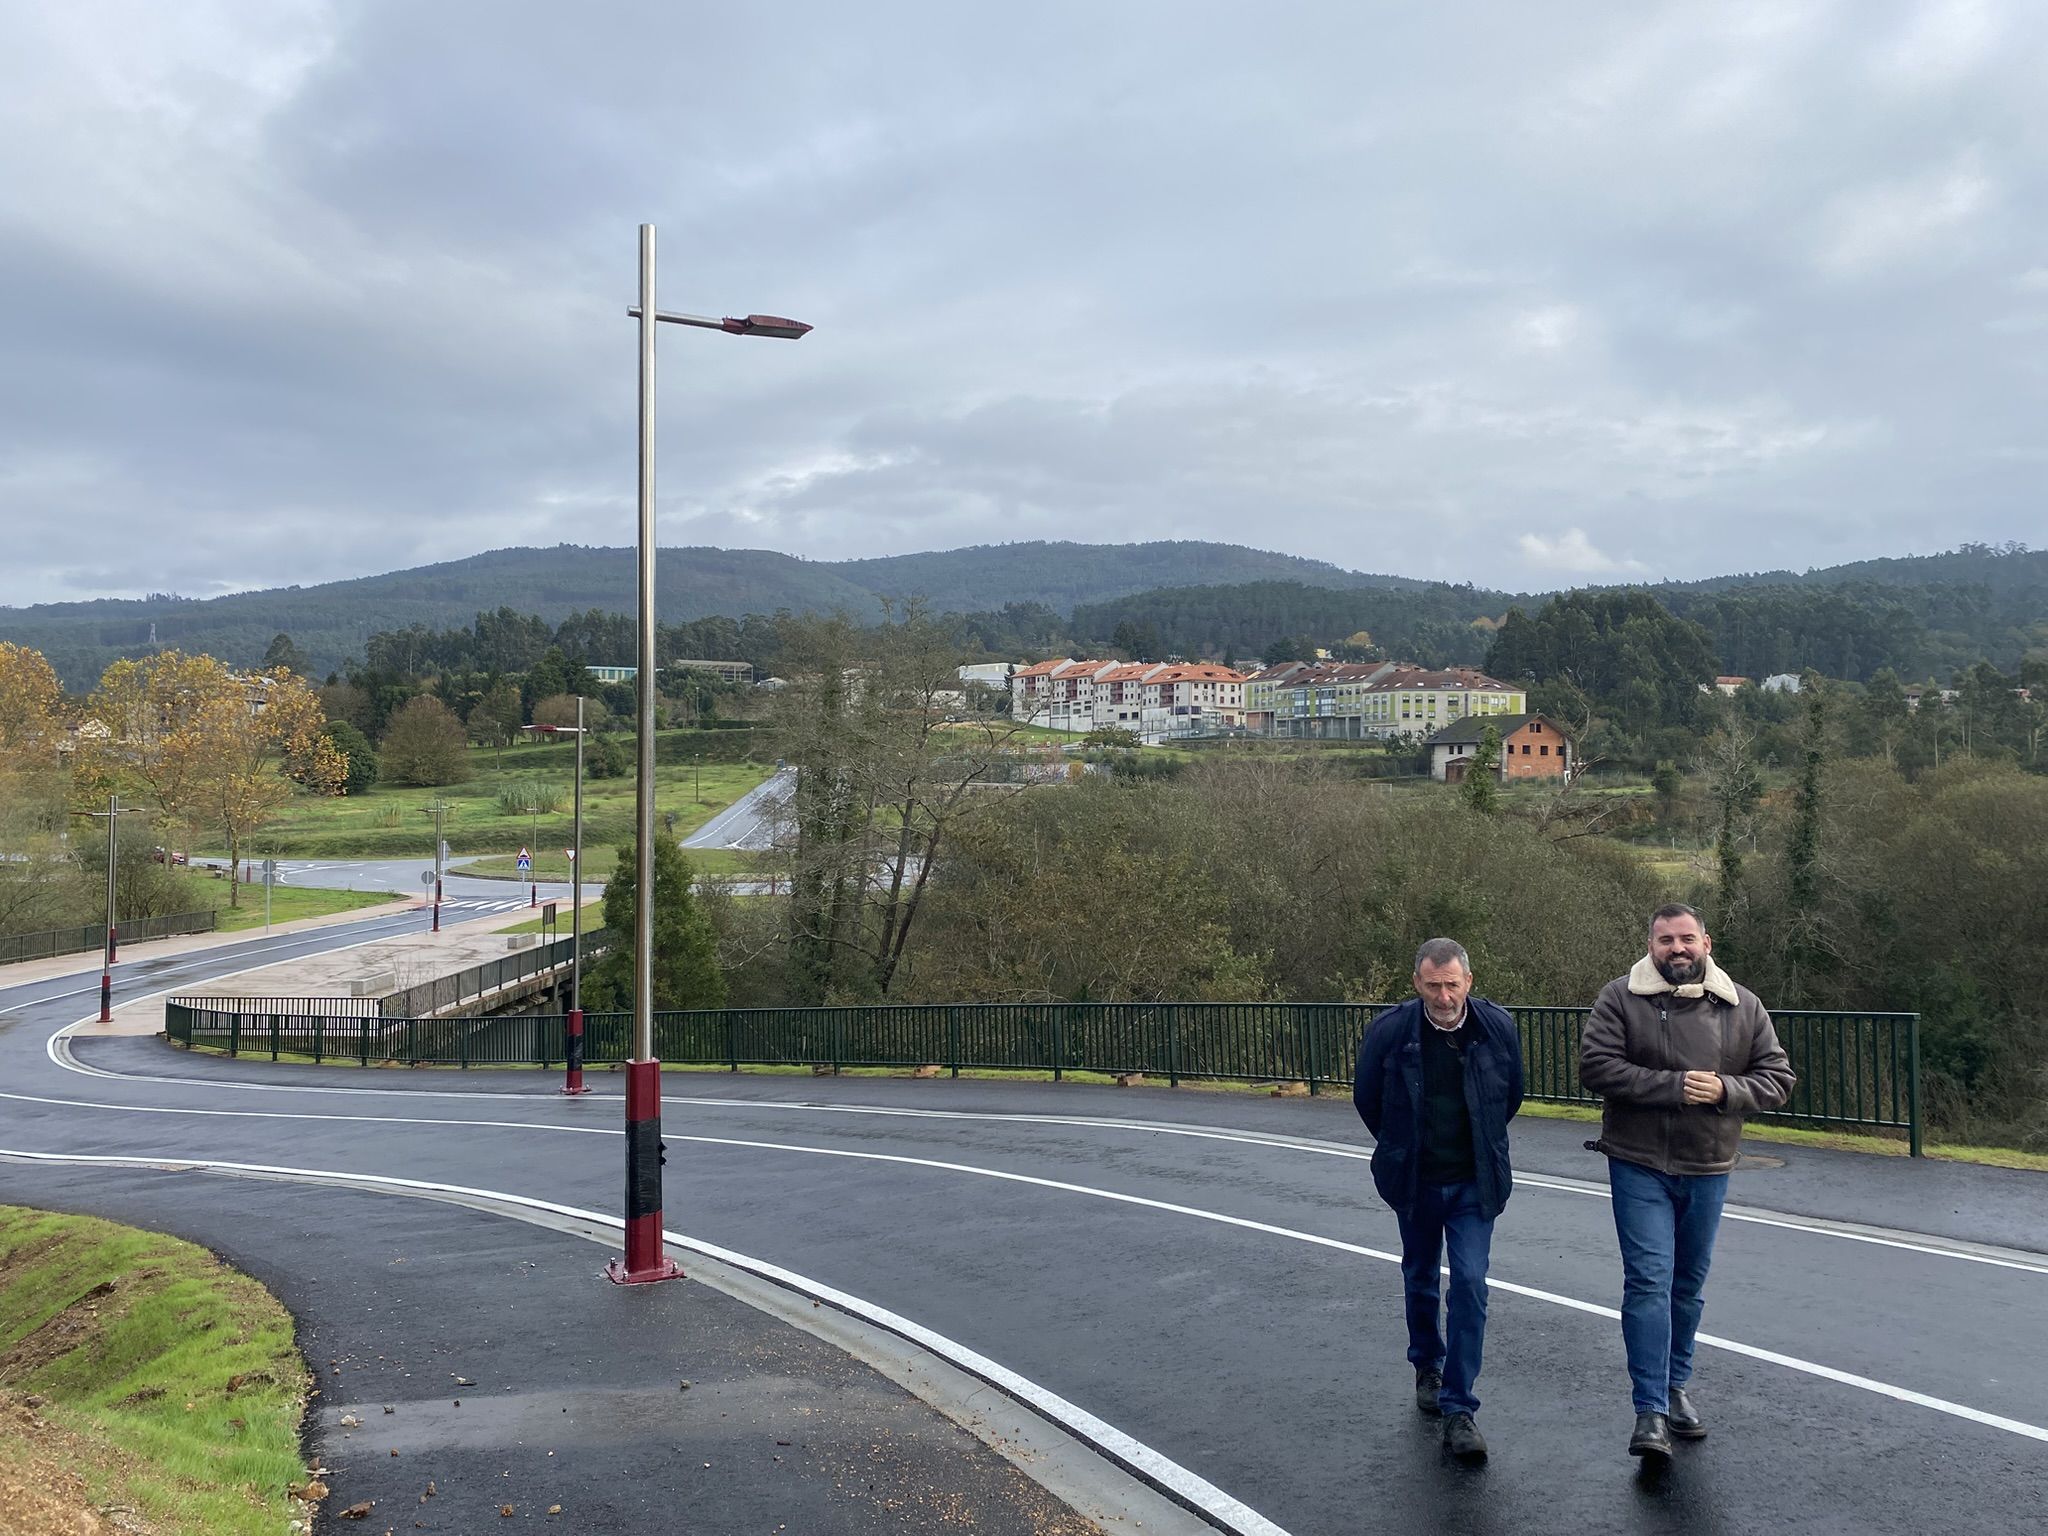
[[1544, 753]]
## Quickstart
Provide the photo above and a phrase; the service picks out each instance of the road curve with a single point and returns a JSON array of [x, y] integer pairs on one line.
[[1211, 1275]]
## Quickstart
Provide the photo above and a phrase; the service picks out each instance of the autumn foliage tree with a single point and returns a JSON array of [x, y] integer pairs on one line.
[[424, 744], [218, 751]]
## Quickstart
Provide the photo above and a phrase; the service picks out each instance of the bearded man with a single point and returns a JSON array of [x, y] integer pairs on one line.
[[1679, 1053]]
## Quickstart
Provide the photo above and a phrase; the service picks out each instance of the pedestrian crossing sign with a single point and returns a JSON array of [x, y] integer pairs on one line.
[[525, 862]]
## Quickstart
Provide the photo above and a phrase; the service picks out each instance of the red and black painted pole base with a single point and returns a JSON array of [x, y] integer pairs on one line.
[[106, 997], [645, 1260], [572, 1051]]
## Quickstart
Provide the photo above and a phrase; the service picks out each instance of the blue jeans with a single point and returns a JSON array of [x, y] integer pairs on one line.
[[1447, 1214], [1666, 1223]]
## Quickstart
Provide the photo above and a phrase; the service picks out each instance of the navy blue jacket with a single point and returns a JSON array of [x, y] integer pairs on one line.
[[1388, 1093]]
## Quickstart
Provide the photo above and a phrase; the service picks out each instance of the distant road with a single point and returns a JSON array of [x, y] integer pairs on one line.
[[471, 892], [749, 822]]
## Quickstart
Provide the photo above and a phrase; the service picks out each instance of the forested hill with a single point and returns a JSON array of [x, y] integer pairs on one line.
[[331, 622], [1922, 617]]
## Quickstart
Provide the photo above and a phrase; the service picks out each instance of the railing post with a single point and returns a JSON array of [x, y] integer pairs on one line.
[[953, 1038], [234, 1033], [1059, 1040], [462, 1045], [273, 1037], [363, 1040], [1913, 1133], [412, 1040], [732, 1040], [1308, 1047], [1173, 1045], [319, 1038]]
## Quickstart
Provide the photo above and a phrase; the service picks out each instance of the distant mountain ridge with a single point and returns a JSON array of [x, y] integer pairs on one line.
[[331, 621]]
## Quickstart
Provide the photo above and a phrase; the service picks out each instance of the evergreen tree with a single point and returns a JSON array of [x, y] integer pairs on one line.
[[686, 970], [1480, 789]]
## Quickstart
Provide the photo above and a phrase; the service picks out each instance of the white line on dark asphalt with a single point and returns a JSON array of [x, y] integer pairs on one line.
[[1198, 1493], [1292, 1234], [59, 1052]]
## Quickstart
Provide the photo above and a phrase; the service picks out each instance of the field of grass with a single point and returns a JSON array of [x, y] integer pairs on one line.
[[395, 822], [288, 902], [171, 1384]]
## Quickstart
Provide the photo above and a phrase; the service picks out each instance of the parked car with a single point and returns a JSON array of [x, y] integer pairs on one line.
[[168, 856]]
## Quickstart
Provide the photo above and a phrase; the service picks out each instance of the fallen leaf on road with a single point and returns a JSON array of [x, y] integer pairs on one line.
[[359, 1511], [505, 1509]]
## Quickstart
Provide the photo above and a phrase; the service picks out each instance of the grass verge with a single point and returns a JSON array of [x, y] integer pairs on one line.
[[290, 902], [143, 1373], [389, 820]]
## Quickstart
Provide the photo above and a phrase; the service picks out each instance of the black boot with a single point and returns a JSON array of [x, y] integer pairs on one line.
[[1686, 1422], [1462, 1438], [1427, 1385], [1652, 1436]]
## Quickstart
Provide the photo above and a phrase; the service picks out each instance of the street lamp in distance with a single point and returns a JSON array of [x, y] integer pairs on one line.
[[572, 1044], [645, 1259]]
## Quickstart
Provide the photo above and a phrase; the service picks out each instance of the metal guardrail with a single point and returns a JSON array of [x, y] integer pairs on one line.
[[435, 997], [50, 942], [1859, 1071]]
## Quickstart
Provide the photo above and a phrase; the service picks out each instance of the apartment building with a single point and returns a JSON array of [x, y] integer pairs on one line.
[[1356, 701], [1153, 699]]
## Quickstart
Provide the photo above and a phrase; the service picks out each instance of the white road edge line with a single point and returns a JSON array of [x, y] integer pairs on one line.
[[60, 1054], [1293, 1234], [58, 1049], [1812, 1226], [1197, 1493]]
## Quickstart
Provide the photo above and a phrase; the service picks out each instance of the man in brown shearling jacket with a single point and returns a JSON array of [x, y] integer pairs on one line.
[[1679, 1052]]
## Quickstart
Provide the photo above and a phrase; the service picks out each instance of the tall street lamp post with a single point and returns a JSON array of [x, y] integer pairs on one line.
[[645, 1260]]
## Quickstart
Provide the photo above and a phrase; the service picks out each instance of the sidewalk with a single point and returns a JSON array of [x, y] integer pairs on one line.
[[476, 1373], [409, 958]]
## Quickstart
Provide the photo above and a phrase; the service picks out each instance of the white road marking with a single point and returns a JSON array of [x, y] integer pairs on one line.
[[1197, 1492], [1812, 1226], [1293, 1234]]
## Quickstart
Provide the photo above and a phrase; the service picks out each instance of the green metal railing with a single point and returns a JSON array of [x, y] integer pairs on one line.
[[48, 942], [478, 981], [1859, 1071]]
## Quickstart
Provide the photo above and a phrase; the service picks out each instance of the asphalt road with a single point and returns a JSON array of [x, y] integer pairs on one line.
[[404, 876], [749, 822], [1213, 1275]]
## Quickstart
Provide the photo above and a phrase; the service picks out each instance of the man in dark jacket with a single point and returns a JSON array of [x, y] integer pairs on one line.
[[1438, 1080], [1679, 1052]]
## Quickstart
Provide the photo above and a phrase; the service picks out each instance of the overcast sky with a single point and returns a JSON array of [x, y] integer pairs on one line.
[[1522, 294]]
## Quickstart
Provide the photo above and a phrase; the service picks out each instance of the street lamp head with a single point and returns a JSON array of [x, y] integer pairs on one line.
[[765, 325]]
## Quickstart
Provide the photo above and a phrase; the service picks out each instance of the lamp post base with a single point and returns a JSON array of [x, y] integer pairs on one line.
[[618, 1274]]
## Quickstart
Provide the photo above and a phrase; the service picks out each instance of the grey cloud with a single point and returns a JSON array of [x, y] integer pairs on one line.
[[339, 288]]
